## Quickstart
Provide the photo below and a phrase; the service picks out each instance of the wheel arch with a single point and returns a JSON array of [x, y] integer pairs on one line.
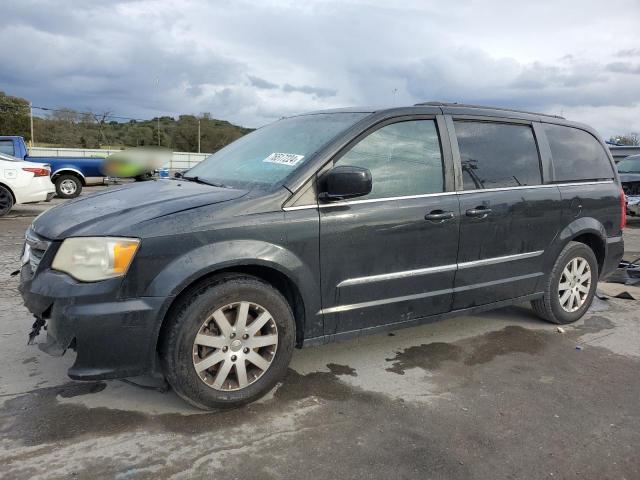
[[69, 171], [273, 276], [587, 231], [13, 195]]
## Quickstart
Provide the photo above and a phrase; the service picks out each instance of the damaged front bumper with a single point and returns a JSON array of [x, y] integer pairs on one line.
[[113, 338]]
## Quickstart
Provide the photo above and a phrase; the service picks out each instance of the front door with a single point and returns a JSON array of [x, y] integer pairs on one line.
[[508, 217], [390, 256]]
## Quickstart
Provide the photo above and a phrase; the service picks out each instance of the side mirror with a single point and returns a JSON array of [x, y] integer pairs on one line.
[[344, 182]]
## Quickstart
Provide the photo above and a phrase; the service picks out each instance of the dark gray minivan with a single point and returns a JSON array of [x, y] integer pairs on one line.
[[319, 227]]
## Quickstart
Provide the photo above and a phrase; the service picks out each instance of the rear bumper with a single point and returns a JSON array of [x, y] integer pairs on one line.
[[615, 251], [40, 190], [113, 338]]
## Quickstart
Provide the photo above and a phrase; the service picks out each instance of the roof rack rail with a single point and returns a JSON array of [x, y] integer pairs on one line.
[[465, 105]]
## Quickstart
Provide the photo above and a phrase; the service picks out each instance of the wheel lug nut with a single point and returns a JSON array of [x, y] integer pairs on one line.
[[224, 349], [245, 336], [233, 335], [245, 350], [233, 358]]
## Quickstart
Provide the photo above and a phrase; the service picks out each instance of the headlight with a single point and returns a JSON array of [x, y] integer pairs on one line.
[[90, 259]]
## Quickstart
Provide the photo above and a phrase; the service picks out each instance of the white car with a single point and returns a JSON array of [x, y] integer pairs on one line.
[[23, 182]]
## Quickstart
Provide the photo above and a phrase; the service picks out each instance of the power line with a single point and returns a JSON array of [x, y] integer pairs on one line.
[[68, 110]]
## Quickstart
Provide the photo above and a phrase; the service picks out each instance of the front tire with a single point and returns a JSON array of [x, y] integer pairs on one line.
[[228, 342], [571, 286], [68, 186], [6, 201]]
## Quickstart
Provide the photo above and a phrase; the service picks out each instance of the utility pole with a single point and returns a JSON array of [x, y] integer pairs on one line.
[[31, 120], [158, 130], [198, 135]]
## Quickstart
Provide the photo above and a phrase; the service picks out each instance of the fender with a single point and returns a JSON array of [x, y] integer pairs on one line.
[[207, 259], [577, 227], [64, 169]]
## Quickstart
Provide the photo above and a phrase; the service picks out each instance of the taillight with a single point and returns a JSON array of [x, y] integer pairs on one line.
[[38, 172], [623, 210]]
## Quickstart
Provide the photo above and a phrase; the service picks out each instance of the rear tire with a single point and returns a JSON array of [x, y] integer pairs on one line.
[[6, 201], [571, 286], [204, 329], [68, 186]]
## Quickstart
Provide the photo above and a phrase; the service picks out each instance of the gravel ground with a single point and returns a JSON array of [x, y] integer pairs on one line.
[[497, 395]]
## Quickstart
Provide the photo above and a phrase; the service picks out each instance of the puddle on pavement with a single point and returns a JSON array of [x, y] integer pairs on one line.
[[512, 339], [595, 324], [474, 351], [38, 417], [427, 356]]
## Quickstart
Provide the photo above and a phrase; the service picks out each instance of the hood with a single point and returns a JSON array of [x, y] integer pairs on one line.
[[115, 211], [629, 177]]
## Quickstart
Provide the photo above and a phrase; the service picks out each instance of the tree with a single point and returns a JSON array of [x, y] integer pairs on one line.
[[14, 116], [632, 139]]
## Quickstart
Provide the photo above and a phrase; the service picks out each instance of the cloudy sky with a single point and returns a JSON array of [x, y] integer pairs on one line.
[[251, 62]]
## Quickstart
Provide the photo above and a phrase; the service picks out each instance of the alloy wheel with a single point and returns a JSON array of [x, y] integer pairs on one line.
[[574, 285], [235, 346], [6, 202], [68, 187]]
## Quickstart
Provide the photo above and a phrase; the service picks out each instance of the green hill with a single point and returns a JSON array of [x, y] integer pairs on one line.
[[68, 128]]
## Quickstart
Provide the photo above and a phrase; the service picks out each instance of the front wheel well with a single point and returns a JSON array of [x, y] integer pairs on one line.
[[275, 278], [13, 195], [596, 244], [55, 176]]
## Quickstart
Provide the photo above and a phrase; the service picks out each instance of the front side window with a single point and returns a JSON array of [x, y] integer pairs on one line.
[[6, 147], [404, 159], [577, 155], [497, 155]]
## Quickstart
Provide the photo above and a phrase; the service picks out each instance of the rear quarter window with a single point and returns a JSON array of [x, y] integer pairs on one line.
[[577, 155], [6, 147]]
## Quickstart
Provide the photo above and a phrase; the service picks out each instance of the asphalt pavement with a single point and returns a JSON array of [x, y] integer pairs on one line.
[[490, 396]]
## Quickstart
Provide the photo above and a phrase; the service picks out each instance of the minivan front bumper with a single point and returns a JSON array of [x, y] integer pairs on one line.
[[113, 338]]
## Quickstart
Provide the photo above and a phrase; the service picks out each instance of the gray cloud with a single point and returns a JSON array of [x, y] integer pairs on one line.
[[623, 67], [261, 83], [252, 61], [316, 91], [629, 52]]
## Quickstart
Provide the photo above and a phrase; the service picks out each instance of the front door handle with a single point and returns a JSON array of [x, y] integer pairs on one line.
[[479, 212], [438, 216]]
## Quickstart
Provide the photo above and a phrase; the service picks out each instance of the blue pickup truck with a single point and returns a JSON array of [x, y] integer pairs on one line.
[[69, 174]]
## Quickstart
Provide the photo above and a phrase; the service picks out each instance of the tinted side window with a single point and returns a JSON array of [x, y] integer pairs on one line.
[[6, 147], [404, 159], [495, 155], [576, 154]]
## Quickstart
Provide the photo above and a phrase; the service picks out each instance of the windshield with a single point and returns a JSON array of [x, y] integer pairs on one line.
[[267, 156], [629, 165]]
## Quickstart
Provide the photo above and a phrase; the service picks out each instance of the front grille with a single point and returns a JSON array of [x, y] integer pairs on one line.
[[631, 188], [37, 247]]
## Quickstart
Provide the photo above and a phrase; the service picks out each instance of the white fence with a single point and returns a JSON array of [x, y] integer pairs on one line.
[[179, 160]]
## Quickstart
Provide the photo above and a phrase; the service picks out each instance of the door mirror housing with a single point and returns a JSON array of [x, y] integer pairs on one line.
[[344, 182]]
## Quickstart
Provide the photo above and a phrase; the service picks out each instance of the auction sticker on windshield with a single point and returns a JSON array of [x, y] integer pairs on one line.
[[284, 158]]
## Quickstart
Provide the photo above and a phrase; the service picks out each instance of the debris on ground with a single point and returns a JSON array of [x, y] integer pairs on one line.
[[617, 290], [561, 330], [627, 273]]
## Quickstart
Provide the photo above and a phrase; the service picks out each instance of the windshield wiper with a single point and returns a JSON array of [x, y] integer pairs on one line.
[[206, 182]]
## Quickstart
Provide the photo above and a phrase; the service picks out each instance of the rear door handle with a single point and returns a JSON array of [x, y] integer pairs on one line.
[[438, 216], [479, 211]]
